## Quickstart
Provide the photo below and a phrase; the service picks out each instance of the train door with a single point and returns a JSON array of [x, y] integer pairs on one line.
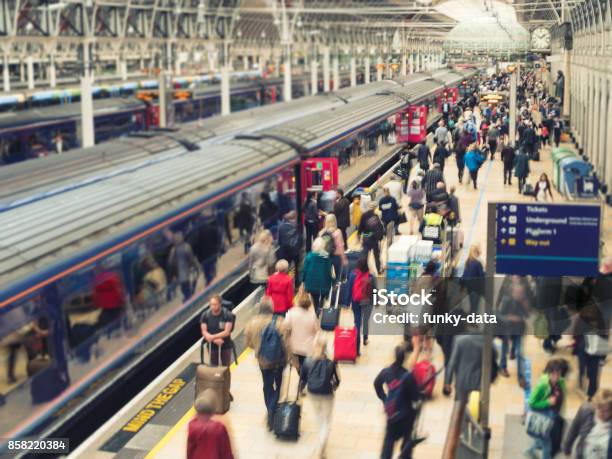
[[152, 116], [319, 174], [417, 123], [402, 126]]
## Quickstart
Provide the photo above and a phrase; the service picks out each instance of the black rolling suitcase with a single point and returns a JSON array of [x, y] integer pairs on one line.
[[330, 315], [287, 416]]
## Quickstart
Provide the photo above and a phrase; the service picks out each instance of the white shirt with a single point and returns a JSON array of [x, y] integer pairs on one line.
[[596, 443], [395, 189]]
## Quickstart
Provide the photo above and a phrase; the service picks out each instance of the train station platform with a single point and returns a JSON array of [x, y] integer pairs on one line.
[[358, 420]]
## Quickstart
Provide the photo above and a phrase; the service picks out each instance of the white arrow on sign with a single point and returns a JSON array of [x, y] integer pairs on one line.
[[504, 219], [504, 208], [503, 230]]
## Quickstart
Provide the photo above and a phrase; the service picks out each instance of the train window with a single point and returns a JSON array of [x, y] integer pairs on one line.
[[25, 343]]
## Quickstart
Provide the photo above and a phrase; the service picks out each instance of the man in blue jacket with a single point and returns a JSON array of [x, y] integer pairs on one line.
[[389, 209], [473, 161]]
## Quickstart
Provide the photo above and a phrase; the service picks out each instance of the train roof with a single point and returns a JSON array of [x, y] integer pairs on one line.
[[44, 237], [318, 130], [55, 113], [44, 174], [20, 180]]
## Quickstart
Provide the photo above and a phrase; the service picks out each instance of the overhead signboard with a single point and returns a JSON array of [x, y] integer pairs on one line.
[[547, 239]]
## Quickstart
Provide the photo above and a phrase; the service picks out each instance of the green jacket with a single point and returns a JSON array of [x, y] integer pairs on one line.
[[541, 393], [316, 273]]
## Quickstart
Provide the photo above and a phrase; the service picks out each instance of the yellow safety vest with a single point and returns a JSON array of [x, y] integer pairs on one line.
[[432, 219]]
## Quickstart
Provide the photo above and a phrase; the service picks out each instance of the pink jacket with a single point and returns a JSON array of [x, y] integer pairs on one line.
[[338, 242]]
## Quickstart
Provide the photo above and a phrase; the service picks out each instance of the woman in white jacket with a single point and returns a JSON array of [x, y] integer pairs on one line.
[[261, 259], [303, 326]]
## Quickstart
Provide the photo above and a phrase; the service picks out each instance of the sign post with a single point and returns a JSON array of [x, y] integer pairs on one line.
[[537, 239], [548, 239]]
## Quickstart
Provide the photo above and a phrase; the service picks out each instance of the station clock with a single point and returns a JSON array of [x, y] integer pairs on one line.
[[540, 39]]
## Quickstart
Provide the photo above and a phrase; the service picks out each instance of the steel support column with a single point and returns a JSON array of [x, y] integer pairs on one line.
[[287, 91], [6, 75], [336, 71], [326, 76], [30, 66], [353, 71], [225, 90], [52, 72], [87, 120], [314, 76]]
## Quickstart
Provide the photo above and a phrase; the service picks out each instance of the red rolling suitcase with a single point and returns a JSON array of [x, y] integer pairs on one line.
[[345, 343]]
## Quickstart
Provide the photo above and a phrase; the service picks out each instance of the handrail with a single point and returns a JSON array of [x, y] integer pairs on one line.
[[454, 430]]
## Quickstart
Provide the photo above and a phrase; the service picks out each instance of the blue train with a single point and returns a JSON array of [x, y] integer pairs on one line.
[[93, 277]]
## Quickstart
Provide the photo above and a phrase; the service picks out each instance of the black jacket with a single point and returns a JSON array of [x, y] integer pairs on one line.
[[392, 374], [423, 154], [507, 155], [431, 179], [342, 212]]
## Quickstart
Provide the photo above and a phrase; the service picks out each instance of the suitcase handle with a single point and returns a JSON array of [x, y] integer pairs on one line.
[[331, 291], [202, 344], [297, 397]]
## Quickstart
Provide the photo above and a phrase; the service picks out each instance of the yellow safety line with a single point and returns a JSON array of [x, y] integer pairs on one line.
[[187, 417]]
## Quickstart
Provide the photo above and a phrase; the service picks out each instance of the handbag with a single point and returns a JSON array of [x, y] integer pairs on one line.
[[539, 424], [540, 326]]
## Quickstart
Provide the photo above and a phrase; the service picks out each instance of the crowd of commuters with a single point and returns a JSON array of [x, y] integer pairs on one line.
[[547, 308]]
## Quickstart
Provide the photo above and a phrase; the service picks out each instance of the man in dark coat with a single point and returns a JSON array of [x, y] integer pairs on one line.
[[432, 177], [440, 155], [289, 240], [424, 155], [521, 169], [507, 156], [342, 211]]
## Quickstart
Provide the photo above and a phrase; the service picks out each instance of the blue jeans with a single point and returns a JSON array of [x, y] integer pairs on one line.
[[209, 266], [337, 264], [186, 290], [545, 444], [516, 346], [272, 381], [362, 313]]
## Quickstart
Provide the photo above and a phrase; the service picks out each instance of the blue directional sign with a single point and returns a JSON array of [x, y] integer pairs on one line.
[[547, 239]]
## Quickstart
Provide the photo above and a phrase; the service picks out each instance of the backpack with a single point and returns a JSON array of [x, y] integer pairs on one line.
[[320, 377], [362, 287], [396, 397], [329, 244], [271, 349], [375, 227], [292, 236]]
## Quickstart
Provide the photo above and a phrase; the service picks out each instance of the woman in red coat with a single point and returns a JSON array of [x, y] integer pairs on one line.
[[280, 288], [208, 439]]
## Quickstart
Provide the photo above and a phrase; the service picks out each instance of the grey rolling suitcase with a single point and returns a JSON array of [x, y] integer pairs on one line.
[[218, 379]]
